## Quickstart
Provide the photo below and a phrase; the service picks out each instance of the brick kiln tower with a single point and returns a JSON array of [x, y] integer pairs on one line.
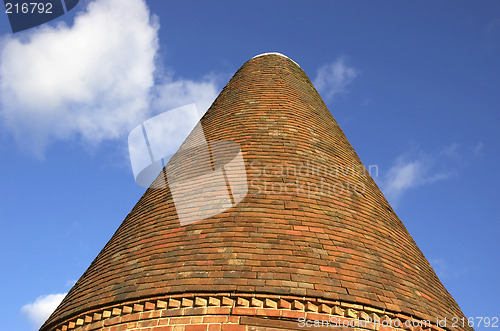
[[314, 238]]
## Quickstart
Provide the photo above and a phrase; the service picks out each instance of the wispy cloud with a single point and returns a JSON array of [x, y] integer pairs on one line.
[[493, 25], [333, 78], [414, 169], [94, 80], [448, 268], [172, 93], [478, 149], [451, 151], [37, 312], [70, 283], [440, 267]]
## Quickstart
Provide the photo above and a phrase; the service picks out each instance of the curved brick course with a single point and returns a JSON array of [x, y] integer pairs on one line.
[[296, 233], [227, 311]]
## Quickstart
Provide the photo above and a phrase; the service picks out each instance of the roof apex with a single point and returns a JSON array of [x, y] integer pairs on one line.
[[275, 53]]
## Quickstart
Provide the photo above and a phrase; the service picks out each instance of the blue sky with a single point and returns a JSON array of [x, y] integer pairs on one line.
[[414, 86]]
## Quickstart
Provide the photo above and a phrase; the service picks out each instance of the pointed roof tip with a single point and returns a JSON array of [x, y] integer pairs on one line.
[[275, 53]]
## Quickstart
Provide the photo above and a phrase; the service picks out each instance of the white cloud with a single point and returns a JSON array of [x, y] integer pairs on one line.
[[402, 176], [93, 80], [173, 93], [38, 311], [411, 170], [333, 79]]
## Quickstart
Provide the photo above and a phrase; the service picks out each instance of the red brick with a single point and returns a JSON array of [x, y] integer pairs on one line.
[[233, 327], [244, 311], [112, 321], [199, 327], [214, 327], [179, 320], [293, 314], [149, 306], [151, 314], [326, 268], [144, 324], [233, 319], [218, 310], [162, 328], [268, 312], [214, 319], [131, 317]]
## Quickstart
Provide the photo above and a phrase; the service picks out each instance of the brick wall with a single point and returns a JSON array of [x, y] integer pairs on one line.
[[287, 237], [231, 312]]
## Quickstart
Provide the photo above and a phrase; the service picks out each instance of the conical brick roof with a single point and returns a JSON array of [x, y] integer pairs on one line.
[[314, 234]]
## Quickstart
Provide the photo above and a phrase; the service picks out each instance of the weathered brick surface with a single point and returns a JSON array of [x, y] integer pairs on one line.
[[313, 224], [233, 315]]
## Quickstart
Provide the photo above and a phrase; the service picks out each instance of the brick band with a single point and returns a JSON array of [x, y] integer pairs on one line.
[[221, 309]]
